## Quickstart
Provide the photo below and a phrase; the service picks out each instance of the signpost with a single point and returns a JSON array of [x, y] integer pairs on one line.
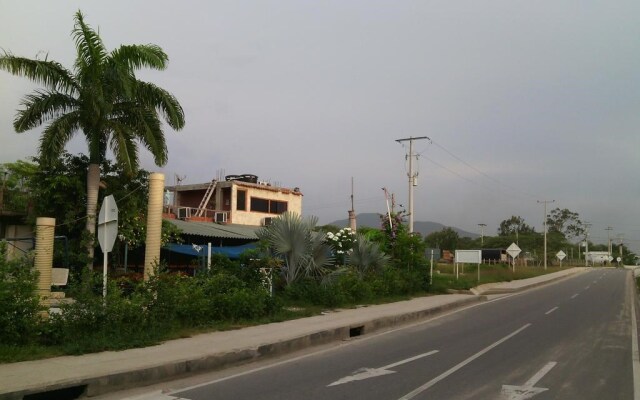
[[513, 250], [468, 256], [561, 255], [107, 233]]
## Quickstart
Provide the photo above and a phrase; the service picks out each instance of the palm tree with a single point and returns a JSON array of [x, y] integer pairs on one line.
[[303, 251], [366, 256], [103, 99]]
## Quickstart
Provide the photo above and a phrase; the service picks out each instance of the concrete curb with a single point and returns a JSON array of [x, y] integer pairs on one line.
[[110, 382], [501, 289]]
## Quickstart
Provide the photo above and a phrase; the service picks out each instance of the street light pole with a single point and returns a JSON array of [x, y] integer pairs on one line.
[[609, 250], [411, 175], [482, 233], [586, 243], [545, 229]]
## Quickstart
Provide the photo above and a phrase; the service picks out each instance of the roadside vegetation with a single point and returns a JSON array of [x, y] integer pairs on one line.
[[299, 270]]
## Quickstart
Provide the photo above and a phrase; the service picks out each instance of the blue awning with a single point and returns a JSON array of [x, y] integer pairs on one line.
[[233, 252]]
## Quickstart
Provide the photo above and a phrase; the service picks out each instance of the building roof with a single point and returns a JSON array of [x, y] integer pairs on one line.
[[205, 186], [215, 230]]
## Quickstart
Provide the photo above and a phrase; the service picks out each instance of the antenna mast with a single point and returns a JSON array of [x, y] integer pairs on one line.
[[352, 212]]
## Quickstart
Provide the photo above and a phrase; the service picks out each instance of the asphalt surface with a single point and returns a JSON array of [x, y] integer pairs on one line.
[[569, 340]]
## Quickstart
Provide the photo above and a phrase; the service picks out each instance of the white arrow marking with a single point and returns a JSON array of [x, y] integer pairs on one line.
[[366, 373], [526, 391]]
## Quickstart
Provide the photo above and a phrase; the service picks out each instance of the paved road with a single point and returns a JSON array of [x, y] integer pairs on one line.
[[569, 340]]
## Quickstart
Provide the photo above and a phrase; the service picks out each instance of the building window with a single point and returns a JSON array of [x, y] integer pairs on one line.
[[277, 207], [241, 200], [268, 206], [259, 205]]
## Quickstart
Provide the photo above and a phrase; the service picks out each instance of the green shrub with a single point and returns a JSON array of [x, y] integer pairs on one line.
[[92, 323], [19, 303]]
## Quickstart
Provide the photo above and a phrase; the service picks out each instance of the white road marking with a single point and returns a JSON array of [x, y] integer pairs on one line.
[[445, 374], [550, 311], [526, 391], [587, 287], [574, 296], [366, 373]]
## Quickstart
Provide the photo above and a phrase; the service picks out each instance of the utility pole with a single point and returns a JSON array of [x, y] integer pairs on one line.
[[412, 177], [620, 236], [482, 233], [545, 229], [609, 229], [586, 243]]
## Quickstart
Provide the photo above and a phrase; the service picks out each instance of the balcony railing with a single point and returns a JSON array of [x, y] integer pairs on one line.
[[191, 213]]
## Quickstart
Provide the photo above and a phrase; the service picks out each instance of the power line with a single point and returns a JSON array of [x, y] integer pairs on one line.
[[496, 181]]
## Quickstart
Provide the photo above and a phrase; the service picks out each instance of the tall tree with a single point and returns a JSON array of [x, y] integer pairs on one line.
[[102, 99], [445, 239], [514, 225], [565, 222]]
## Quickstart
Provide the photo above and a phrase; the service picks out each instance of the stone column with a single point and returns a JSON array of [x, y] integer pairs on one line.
[[45, 230], [154, 223]]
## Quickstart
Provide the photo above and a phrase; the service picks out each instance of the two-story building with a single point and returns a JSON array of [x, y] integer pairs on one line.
[[224, 213], [238, 199]]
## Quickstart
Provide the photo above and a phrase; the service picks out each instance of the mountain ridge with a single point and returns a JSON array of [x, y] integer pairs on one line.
[[372, 220]]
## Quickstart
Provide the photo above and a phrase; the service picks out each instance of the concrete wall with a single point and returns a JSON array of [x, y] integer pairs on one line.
[[249, 217]]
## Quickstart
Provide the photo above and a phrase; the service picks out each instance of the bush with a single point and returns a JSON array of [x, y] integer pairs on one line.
[[19, 302], [151, 311], [96, 324]]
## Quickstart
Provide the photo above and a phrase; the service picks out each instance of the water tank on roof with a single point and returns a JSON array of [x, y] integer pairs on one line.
[[249, 178], [242, 178]]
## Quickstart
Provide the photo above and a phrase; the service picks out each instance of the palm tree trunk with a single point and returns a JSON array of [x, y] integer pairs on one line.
[[93, 183]]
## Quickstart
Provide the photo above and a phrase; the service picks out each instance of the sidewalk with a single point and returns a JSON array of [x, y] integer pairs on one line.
[[104, 372]]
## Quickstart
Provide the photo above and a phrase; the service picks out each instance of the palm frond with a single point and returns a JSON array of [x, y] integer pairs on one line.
[[48, 73], [91, 52], [146, 127], [57, 135], [289, 236], [366, 256], [140, 56], [42, 106], [158, 98], [124, 147]]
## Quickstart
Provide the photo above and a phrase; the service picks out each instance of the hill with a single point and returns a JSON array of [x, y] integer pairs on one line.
[[372, 220]]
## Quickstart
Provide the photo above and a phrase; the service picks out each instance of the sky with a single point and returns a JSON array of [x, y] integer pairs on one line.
[[522, 101]]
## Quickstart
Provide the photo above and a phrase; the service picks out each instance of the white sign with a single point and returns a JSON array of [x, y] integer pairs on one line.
[[618, 259], [107, 233], [469, 256], [108, 224], [561, 255], [513, 250]]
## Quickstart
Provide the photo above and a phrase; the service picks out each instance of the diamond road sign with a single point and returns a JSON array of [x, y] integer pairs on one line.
[[513, 250], [561, 255]]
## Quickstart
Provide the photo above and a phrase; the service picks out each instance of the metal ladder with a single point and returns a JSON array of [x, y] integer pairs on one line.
[[205, 199]]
